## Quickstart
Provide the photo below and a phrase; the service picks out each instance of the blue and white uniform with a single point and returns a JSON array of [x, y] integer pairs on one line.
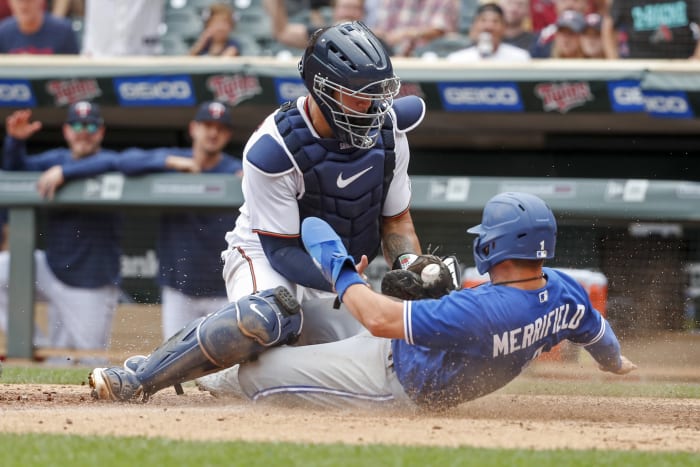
[[291, 173], [474, 342], [460, 347], [188, 244], [78, 272]]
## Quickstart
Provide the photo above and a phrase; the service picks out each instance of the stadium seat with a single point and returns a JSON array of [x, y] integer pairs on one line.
[[467, 9], [174, 45], [249, 46], [184, 22], [255, 22]]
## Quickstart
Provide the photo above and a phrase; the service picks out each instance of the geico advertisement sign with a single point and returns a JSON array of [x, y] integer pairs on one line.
[[154, 90], [288, 89], [16, 93], [628, 96], [672, 104], [491, 97]]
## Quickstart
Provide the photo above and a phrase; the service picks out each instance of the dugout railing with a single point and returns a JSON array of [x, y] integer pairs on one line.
[[651, 208]]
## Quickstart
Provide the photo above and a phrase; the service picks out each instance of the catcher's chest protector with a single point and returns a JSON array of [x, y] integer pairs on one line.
[[344, 186]]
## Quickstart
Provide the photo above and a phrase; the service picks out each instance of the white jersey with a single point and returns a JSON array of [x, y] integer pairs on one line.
[[274, 208], [504, 53], [122, 27]]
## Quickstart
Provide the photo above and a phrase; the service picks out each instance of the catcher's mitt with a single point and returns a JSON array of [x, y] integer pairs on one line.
[[427, 276]]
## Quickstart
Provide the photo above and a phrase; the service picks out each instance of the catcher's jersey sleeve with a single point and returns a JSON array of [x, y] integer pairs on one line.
[[271, 184], [399, 194]]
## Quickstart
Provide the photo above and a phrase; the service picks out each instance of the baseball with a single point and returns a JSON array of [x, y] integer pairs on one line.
[[430, 273]]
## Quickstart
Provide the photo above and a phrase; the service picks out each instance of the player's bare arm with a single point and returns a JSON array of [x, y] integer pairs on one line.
[[182, 164], [399, 237], [380, 314], [49, 181]]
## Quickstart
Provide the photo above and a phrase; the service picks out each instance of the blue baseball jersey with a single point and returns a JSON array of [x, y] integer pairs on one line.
[[56, 36], [475, 341], [189, 243], [82, 248]]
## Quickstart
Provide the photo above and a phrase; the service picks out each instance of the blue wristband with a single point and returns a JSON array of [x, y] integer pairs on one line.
[[346, 278]]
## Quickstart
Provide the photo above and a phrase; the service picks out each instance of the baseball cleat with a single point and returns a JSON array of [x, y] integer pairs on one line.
[[115, 384], [221, 384], [325, 247]]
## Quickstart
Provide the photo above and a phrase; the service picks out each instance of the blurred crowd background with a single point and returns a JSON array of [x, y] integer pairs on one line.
[[494, 29]]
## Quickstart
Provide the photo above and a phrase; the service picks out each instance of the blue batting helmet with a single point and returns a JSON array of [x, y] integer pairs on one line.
[[348, 60], [514, 226]]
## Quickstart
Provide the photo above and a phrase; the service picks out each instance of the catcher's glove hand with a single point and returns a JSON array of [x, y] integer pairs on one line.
[[427, 276]]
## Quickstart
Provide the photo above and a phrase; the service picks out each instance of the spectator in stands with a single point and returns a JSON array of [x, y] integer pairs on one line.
[[544, 13], [297, 35], [487, 30], [68, 8], [31, 30], [591, 40], [404, 25], [652, 29], [122, 28], [567, 39], [78, 272], [543, 43], [215, 39], [191, 281], [516, 14]]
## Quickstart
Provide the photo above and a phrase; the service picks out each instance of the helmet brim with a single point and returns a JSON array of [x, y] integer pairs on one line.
[[476, 230]]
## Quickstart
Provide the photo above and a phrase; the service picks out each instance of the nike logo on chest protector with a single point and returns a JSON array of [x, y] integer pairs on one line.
[[343, 182]]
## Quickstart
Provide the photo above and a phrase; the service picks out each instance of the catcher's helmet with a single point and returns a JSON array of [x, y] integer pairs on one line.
[[347, 60], [514, 226]]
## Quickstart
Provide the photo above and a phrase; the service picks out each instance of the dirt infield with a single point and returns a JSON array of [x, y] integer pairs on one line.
[[498, 420], [503, 419]]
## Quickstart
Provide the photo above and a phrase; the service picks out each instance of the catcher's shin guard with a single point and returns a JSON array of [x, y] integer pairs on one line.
[[237, 333]]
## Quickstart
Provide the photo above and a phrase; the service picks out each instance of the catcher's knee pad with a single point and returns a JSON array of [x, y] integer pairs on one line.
[[237, 333], [240, 331]]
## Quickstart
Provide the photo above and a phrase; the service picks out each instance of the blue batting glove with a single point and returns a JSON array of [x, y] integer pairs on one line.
[[329, 254]]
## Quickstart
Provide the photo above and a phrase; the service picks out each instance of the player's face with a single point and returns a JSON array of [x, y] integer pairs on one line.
[[84, 139], [210, 137], [354, 103]]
